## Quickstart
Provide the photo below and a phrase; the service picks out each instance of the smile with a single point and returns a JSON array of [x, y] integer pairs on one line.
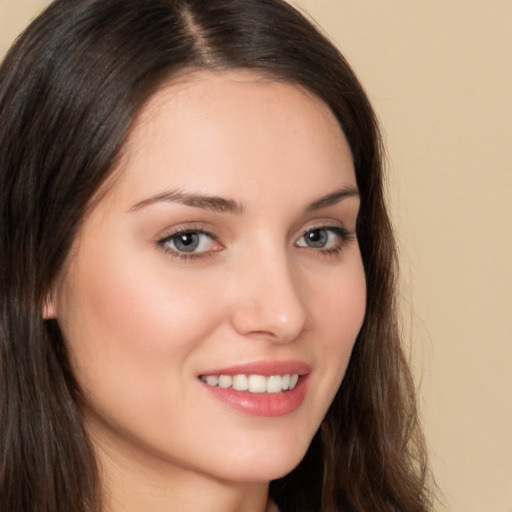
[[259, 388], [253, 383]]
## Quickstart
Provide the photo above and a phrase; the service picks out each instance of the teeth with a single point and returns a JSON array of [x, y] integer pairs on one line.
[[213, 380], [253, 383], [257, 384], [274, 384], [225, 381], [240, 383]]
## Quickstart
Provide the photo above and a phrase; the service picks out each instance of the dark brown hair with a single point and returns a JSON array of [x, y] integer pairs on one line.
[[70, 88]]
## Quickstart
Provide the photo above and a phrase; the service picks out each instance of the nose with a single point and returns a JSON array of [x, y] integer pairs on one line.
[[267, 301]]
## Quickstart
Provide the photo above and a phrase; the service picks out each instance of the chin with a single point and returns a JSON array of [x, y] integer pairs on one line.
[[267, 463]]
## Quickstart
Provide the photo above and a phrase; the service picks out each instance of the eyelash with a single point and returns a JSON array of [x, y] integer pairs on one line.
[[184, 255], [344, 236]]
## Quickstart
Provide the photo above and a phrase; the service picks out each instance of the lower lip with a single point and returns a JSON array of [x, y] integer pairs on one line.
[[262, 404]]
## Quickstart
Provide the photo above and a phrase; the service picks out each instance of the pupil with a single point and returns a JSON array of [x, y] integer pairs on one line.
[[317, 238], [186, 239], [187, 242]]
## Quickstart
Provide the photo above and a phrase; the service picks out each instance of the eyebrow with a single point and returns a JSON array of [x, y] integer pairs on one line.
[[216, 204], [332, 199], [220, 204]]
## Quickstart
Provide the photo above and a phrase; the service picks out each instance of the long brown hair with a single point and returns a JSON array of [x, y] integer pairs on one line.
[[70, 88]]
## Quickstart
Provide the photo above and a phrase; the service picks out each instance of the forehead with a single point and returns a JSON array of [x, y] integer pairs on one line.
[[210, 129]]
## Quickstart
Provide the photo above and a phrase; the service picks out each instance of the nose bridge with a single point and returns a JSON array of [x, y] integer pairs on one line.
[[268, 301]]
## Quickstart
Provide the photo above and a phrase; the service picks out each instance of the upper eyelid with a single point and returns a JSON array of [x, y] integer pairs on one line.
[[166, 234], [198, 229], [327, 226], [189, 230], [336, 229]]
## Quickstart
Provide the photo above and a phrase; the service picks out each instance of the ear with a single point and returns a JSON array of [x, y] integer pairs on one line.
[[49, 309]]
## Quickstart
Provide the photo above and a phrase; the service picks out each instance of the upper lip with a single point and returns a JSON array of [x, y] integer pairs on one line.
[[265, 368]]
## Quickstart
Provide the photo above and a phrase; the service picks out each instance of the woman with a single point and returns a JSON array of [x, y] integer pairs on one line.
[[197, 269]]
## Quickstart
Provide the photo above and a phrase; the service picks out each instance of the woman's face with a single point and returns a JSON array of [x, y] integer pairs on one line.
[[224, 256]]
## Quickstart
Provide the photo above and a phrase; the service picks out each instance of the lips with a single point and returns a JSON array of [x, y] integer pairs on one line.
[[265, 388]]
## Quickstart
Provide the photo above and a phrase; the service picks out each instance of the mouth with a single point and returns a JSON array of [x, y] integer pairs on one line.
[[254, 383], [263, 388]]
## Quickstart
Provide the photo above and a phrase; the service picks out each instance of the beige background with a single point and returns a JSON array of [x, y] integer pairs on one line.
[[440, 76]]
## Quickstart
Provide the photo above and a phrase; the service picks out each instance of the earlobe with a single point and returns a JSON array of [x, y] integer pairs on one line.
[[49, 311]]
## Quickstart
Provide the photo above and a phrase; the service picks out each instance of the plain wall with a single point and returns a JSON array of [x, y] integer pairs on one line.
[[440, 76]]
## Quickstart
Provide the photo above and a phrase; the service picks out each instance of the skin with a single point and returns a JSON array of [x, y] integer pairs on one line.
[[142, 323]]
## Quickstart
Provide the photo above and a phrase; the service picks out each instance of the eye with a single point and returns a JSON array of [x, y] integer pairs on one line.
[[328, 238], [188, 243]]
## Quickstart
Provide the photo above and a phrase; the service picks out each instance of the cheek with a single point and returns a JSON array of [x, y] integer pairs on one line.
[[340, 313], [341, 301], [124, 317]]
